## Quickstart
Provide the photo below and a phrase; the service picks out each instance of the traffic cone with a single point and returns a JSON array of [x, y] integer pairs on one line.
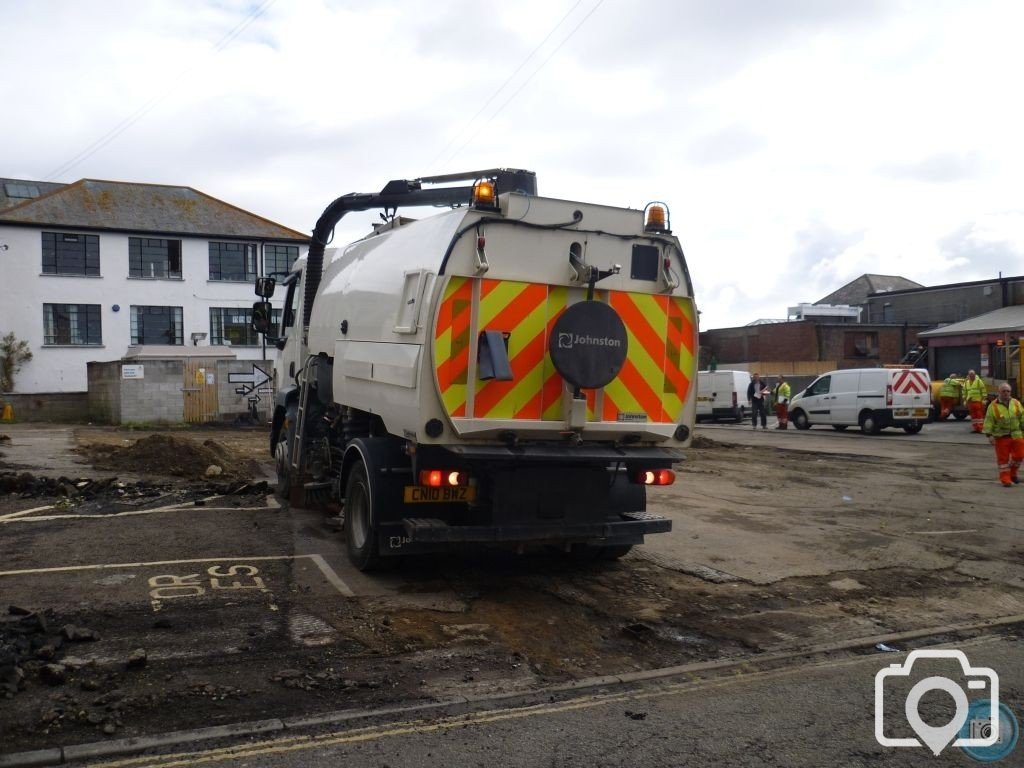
[[8, 414]]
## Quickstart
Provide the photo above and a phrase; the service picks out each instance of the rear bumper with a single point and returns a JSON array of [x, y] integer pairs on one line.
[[421, 530]]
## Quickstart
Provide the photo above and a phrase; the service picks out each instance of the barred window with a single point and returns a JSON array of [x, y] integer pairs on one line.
[[156, 325], [233, 261], [278, 260], [72, 324], [152, 257], [230, 325], [860, 344], [65, 253]]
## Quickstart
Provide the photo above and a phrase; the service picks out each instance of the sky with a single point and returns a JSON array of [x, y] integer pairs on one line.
[[797, 143]]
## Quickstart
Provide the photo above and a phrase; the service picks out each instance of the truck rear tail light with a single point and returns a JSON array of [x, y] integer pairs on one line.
[[888, 394], [655, 477], [735, 401], [440, 478]]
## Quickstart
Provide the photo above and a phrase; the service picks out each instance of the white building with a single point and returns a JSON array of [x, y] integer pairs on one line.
[[90, 269]]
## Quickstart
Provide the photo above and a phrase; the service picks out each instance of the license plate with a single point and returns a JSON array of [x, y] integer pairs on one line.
[[921, 413], [423, 494]]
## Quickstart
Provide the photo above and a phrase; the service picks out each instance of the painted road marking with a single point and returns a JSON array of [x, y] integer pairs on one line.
[[185, 506], [328, 573], [12, 515], [742, 674]]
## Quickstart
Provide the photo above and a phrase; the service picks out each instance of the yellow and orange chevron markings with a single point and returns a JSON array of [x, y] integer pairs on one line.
[[652, 385]]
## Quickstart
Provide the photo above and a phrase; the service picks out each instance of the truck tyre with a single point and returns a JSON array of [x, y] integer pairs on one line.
[[742, 415], [868, 423], [615, 551], [800, 420], [282, 455], [959, 415], [912, 429], [360, 527]]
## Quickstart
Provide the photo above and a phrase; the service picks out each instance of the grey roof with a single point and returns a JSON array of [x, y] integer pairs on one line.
[[1005, 319], [857, 291], [152, 208], [17, 191]]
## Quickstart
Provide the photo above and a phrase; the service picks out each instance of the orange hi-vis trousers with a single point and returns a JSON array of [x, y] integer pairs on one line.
[[1009, 455], [946, 406], [782, 414], [977, 411]]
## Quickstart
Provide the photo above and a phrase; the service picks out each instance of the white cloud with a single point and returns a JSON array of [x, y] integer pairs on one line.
[[798, 143]]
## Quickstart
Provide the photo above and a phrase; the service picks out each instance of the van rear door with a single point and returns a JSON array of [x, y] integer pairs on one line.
[[911, 393]]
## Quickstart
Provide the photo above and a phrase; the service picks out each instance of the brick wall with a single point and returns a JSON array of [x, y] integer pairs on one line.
[[104, 393], [156, 397], [56, 406], [232, 400]]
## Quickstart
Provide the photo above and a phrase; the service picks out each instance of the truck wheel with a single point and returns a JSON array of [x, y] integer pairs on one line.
[[959, 415], [800, 420], [743, 415], [360, 528], [912, 429], [868, 423], [615, 551], [282, 456]]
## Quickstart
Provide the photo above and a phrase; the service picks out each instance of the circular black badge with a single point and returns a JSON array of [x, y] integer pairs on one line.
[[588, 344]]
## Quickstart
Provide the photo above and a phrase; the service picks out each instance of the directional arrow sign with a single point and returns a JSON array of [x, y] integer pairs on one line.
[[250, 381]]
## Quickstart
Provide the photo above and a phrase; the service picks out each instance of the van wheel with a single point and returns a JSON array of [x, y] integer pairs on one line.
[[360, 526], [912, 429], [960, 415], [800, 420], [840, 427], [868, 423], [743, 415]]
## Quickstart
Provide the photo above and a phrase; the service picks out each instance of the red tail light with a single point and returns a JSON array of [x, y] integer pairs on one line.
[[735, 402], [888, 394], [439, 478], [655, 477]]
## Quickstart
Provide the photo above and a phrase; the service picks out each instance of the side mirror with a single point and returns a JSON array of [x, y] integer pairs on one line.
[[265, 287], [261, 316]]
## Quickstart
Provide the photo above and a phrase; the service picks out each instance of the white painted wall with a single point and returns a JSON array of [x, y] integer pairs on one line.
[[24, 290]]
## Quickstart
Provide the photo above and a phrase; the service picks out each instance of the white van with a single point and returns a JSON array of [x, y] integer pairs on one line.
[[722, 395], [869, 398]]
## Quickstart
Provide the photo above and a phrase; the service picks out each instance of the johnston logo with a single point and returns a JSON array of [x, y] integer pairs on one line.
[[570, 340]]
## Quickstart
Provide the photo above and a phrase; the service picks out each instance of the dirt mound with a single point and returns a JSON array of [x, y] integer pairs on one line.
[[174, 456]]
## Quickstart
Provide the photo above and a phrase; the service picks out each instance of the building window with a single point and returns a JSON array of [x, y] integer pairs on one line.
[[233, 261], [150, 257], [71, 324], [21, 191], [860, 344], [69, 254], [156, 325], [233, 326], [278, 259]]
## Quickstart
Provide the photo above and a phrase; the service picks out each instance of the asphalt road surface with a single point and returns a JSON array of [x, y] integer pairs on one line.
[[793, 555]]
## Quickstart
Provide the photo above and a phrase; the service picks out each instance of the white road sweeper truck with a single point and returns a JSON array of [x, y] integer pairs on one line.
[[513, 370]]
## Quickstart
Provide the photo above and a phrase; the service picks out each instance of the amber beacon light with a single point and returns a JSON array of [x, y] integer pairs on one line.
[[483, 194], [656, 218]]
